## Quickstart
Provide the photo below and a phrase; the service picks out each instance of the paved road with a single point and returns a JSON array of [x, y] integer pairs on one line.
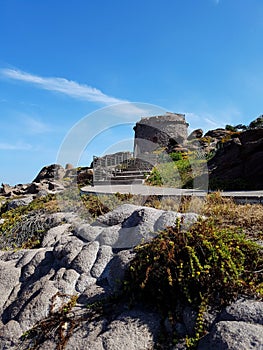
[[138, 189], [256, 196]]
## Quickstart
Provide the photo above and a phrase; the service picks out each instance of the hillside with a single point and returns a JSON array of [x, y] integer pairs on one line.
[[234, 159]]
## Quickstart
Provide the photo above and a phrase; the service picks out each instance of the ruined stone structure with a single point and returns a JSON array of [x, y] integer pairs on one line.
[[159, 131], [103, 167], [151, 133]]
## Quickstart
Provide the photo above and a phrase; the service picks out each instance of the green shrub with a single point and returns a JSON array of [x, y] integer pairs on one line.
[[203, 267], [230, 128], [175, 174], [175, 156], [25, 226], [154, 179], [257, 123], [203, 262]]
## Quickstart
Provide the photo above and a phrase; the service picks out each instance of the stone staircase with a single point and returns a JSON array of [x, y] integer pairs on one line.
[[128, 177], [134, 172]]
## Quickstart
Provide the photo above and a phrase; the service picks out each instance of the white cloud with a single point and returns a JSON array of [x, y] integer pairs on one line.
[[205, 121], [81, 92], [217, 119], [35, 126], [62, 85], [4, 146], [211, 122]]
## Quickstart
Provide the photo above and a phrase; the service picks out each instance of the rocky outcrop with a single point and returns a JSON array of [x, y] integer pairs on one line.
[[195, 134], [42, 188], [90, 260], [51, 179], [239, 326], [238, 163], [87, 260], [54, 172], [218, 134], [208, 142]]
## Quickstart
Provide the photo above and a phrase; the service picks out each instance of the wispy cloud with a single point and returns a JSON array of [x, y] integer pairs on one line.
[[203, 120], [216, 119], [78, 91], [35, 126], [211, 122], [4, 146], [62, 85]]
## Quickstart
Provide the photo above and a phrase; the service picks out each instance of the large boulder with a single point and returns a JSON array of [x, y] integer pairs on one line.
[[18, 202], [235, 335], [218, 133], [50, 172], [6, 190], [129, 225], [195, 134], [238, 163]]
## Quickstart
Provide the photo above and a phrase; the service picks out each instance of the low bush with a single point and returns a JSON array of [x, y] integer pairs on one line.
[[25, 226], [203, 267], [204, 262], [175, 156]]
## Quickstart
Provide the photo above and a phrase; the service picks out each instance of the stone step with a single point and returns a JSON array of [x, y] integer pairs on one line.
[[127, 177], [126, 181], [137, 170], [119, 182], [131, 170], [129, 173]]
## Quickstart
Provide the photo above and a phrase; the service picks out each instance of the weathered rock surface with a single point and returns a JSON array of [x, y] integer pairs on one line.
[[238, 164], [218, 133], [76, 257], [234, 335], [250, 311], [53, 171], [75, 260], [51, 179], [195, 134], [129, 225], [24, 201]]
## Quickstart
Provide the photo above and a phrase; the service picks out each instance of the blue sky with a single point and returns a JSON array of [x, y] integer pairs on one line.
[[63, 60]]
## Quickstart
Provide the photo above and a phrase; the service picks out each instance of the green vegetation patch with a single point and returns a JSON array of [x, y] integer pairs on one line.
[[203, 267], [25, 226], [179, 172]]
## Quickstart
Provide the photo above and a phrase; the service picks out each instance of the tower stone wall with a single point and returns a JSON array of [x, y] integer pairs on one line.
[[159, 131]]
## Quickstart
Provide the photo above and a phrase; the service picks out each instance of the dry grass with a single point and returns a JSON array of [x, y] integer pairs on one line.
[[226, 213]]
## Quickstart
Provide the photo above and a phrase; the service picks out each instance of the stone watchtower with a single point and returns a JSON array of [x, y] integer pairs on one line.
[[165, 130]]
